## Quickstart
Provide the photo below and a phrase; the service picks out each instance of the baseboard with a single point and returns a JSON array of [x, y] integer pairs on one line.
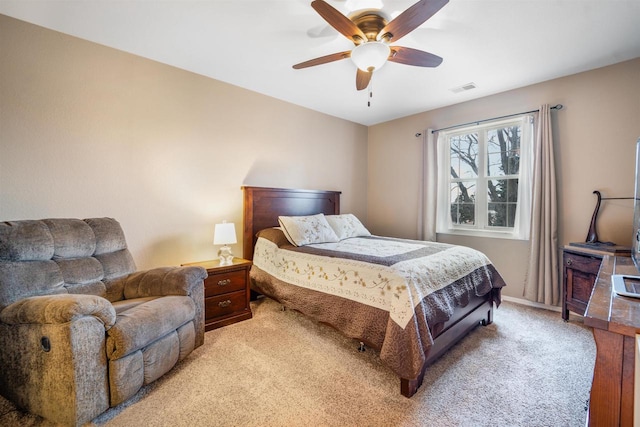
[[531, 303]]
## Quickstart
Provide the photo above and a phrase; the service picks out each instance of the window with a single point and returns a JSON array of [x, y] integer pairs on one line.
[[484, 179]]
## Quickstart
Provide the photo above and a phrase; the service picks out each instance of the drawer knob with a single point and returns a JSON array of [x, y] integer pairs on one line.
[[224, 304], [569, 262], [224, 282]]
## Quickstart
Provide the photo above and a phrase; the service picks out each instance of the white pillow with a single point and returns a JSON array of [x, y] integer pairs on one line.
[[305, 230], [347, 225]]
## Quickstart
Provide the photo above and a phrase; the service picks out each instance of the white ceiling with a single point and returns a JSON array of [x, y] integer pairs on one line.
[[496, 44]]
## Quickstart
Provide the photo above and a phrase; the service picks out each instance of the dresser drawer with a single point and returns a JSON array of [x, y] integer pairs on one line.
[[221, 283], [226, 304]]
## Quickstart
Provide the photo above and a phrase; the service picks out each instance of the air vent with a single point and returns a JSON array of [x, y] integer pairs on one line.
[[463, 88]]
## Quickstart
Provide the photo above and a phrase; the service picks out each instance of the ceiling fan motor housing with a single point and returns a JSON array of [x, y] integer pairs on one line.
[[370, 22]]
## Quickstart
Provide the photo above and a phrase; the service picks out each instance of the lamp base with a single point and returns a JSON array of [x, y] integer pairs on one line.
[[225, 255]]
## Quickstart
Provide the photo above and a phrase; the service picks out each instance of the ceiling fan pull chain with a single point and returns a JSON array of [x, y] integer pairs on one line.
[[370, 93]]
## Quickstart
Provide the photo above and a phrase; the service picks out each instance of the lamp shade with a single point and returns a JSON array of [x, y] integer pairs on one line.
[[370, 55], [224, 234]]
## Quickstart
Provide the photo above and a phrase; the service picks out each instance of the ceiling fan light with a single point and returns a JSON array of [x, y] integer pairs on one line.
[[370, 55]]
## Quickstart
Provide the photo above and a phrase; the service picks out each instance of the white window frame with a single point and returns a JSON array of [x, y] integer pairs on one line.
[[481, 228]]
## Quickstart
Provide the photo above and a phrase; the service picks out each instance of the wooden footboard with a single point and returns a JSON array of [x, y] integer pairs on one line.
[[479, 311]]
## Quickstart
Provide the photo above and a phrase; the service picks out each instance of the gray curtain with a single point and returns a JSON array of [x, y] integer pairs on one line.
[[427, 207], [541, 283]]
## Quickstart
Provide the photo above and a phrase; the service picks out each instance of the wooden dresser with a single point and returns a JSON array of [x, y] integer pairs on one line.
[[226, 292], [615, 321]]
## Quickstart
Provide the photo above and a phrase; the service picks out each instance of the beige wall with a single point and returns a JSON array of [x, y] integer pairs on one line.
[[87, 131], [594, 137]]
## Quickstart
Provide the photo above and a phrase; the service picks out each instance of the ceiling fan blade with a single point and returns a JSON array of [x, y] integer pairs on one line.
[[409, 56], [410, 19], [323, 60], [338, 21], [363, 78]]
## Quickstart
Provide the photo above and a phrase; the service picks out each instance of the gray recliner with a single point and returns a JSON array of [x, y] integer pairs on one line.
[[80, 329]]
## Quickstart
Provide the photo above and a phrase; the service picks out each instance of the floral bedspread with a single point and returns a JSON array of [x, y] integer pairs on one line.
[[394, 275]]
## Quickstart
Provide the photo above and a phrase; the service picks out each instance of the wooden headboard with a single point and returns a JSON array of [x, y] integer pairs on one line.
[[262, 206]]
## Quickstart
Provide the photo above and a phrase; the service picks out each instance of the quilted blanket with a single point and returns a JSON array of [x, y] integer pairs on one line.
[[386, 292]]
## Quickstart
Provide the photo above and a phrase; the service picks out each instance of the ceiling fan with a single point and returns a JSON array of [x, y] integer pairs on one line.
[[372, 34]]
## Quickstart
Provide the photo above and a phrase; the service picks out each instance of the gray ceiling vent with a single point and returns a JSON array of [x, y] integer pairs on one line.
[[463, 88]]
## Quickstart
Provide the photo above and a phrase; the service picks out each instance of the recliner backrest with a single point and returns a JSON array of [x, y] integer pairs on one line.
[[63, 255]]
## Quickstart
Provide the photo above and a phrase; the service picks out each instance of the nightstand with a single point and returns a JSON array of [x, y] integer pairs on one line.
[[580, 270], [226, 292], [580, 267]]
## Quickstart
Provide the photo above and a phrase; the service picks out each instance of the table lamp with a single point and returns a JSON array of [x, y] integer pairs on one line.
[[225, 234]]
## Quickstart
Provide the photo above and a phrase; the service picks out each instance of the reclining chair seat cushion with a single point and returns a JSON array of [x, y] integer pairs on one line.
[[141, 325], [125, 304]]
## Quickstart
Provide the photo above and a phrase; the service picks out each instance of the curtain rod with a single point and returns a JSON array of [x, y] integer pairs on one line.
[[555, 107]]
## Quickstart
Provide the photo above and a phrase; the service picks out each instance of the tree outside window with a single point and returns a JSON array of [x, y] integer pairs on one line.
[[484, 165]]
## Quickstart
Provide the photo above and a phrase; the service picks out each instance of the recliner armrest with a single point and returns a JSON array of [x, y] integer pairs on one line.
[[59, 308], [164, 281]]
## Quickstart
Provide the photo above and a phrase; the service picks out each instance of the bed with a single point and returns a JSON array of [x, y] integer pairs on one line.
[[408, 341]]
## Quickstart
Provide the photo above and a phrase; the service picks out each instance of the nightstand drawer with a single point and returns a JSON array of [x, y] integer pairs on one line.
[[223, 305], [231, 281], [584, 263]]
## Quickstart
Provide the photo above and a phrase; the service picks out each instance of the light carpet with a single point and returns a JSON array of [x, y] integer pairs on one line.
[[528, 368]]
